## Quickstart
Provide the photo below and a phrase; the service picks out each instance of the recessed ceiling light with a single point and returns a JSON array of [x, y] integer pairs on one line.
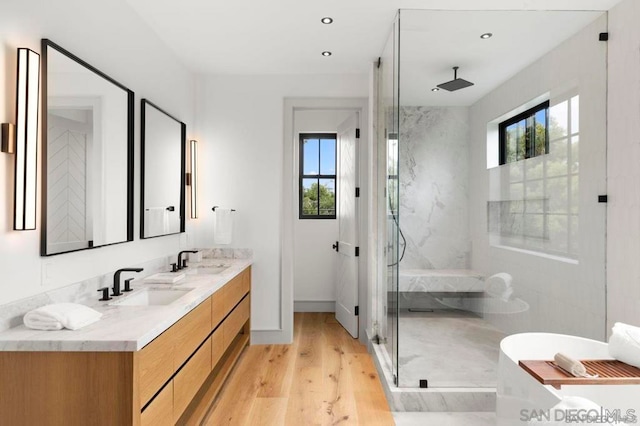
[[435, 89], [486, 36], [326, 53], [326, 20]]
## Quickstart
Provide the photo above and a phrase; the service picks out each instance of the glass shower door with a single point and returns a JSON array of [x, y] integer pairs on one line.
[[388, 205]]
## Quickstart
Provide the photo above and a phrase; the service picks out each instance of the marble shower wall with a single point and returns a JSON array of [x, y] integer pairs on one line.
[[434, 187]]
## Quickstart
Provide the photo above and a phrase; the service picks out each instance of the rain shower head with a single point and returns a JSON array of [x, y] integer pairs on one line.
[[456, 83]]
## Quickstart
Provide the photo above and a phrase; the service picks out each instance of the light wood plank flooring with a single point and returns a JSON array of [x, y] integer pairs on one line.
[[324, 378]]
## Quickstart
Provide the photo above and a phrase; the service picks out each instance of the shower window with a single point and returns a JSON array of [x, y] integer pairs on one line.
[[317, 176], [526, 135], [539, 211]]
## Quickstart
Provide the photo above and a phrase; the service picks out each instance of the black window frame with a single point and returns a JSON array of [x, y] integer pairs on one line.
[[527, 115], [318, 177]]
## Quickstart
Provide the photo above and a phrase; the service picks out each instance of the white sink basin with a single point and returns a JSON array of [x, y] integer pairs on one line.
[[153, 297]]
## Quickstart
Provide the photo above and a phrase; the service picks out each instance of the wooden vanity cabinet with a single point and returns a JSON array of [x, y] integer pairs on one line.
[[172, 380]]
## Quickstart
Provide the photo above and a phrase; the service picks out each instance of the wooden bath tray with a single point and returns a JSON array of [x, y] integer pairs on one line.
[[610, 372]]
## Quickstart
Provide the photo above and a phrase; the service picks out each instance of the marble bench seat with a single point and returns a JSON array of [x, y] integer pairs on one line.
[[441, 281]]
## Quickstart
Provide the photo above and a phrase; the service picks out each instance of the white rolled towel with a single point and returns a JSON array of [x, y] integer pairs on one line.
[[624, 344], [61, 315], [584, 410]]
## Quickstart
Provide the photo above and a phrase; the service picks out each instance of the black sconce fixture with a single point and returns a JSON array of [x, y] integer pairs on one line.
[[22, 140]]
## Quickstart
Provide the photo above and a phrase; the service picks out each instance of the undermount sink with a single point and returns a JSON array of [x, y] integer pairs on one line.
[[153, 297]]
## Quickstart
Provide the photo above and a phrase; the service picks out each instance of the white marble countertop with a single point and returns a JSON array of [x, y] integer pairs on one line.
[[126, 328]]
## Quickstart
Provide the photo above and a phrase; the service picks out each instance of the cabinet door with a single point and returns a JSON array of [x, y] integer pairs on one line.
[[189, 379], [217, 346], [235, 321], [160, 411], [156, 365], [233, 292], [218, 309], [190, 331]]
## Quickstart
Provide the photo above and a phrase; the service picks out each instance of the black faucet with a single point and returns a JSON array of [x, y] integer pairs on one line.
[[183, 263], [116, 279]]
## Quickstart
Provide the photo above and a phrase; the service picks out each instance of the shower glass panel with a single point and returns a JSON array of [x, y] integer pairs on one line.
[[493, 225], [387, 104]]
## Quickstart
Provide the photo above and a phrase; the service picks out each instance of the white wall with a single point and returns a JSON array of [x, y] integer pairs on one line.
[[562, 296], [314, 260], [241, 143], [111, 37], [623, 158]]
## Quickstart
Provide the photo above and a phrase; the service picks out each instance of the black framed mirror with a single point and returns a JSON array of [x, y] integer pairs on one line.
[[162, 172], [87, 155]]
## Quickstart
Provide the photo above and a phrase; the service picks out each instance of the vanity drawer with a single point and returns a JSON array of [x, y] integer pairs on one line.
[[217, 346], [233, 292], [190, 331], [188, 380], [156, 364], [218, 311], [235, 321], [246, 280], [160, 411]]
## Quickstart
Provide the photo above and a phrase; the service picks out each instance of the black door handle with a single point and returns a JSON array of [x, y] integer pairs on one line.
[[335, 246]]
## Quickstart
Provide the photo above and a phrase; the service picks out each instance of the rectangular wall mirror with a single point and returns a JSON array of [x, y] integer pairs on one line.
[[162, 186], [87, 140]]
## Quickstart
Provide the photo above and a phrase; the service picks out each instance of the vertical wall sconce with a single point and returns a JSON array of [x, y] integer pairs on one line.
[[193, 180], [22, 139]]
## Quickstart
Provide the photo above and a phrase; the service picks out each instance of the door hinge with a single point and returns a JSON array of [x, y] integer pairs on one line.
[[357, 192], [357, 310], [603, 37], [357, 251], [357, 133]]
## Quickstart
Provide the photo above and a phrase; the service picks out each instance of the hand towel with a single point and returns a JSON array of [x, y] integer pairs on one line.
[[156, 221], [222, 226], [61, 315], [585, 410], [571, 366], [624, 344]]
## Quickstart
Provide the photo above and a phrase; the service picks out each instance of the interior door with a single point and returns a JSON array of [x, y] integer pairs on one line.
[[347, 214], [69, 221]]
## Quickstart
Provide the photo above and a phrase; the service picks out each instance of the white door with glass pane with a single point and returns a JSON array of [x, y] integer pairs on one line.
[[347, 214]]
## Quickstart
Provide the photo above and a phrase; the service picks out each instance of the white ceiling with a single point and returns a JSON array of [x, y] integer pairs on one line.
[[286, 36], [432, 42]]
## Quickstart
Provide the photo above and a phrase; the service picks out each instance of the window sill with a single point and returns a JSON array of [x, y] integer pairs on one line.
[[562, 259]]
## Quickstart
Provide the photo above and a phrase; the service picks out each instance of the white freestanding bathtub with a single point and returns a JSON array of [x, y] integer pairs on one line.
[[518, 391]]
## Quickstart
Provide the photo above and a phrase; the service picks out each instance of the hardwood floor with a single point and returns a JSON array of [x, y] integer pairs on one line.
[[324, 378]]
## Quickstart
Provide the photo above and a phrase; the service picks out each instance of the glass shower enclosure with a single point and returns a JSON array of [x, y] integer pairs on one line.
[[488, 195]]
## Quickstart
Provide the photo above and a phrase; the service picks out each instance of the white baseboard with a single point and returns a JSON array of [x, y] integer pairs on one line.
[[314, 306], [270, 337]]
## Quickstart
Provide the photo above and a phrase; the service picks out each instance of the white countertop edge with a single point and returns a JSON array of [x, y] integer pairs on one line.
[[123, 328]]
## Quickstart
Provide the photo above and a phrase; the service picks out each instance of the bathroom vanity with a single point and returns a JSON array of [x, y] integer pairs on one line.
[[139, 365]]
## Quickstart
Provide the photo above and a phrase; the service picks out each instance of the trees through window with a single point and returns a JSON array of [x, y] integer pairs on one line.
[[317, 176]]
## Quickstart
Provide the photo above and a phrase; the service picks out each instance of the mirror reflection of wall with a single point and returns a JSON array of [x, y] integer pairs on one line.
[[88, 179], [163, 158]]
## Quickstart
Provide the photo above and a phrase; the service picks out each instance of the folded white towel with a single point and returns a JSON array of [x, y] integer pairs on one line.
[[499, 286], [61, 315], [586, 411], [624, 344], [222, 226]]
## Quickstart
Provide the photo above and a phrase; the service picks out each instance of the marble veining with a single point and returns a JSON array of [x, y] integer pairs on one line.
[[122, 328], [434, 205]]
